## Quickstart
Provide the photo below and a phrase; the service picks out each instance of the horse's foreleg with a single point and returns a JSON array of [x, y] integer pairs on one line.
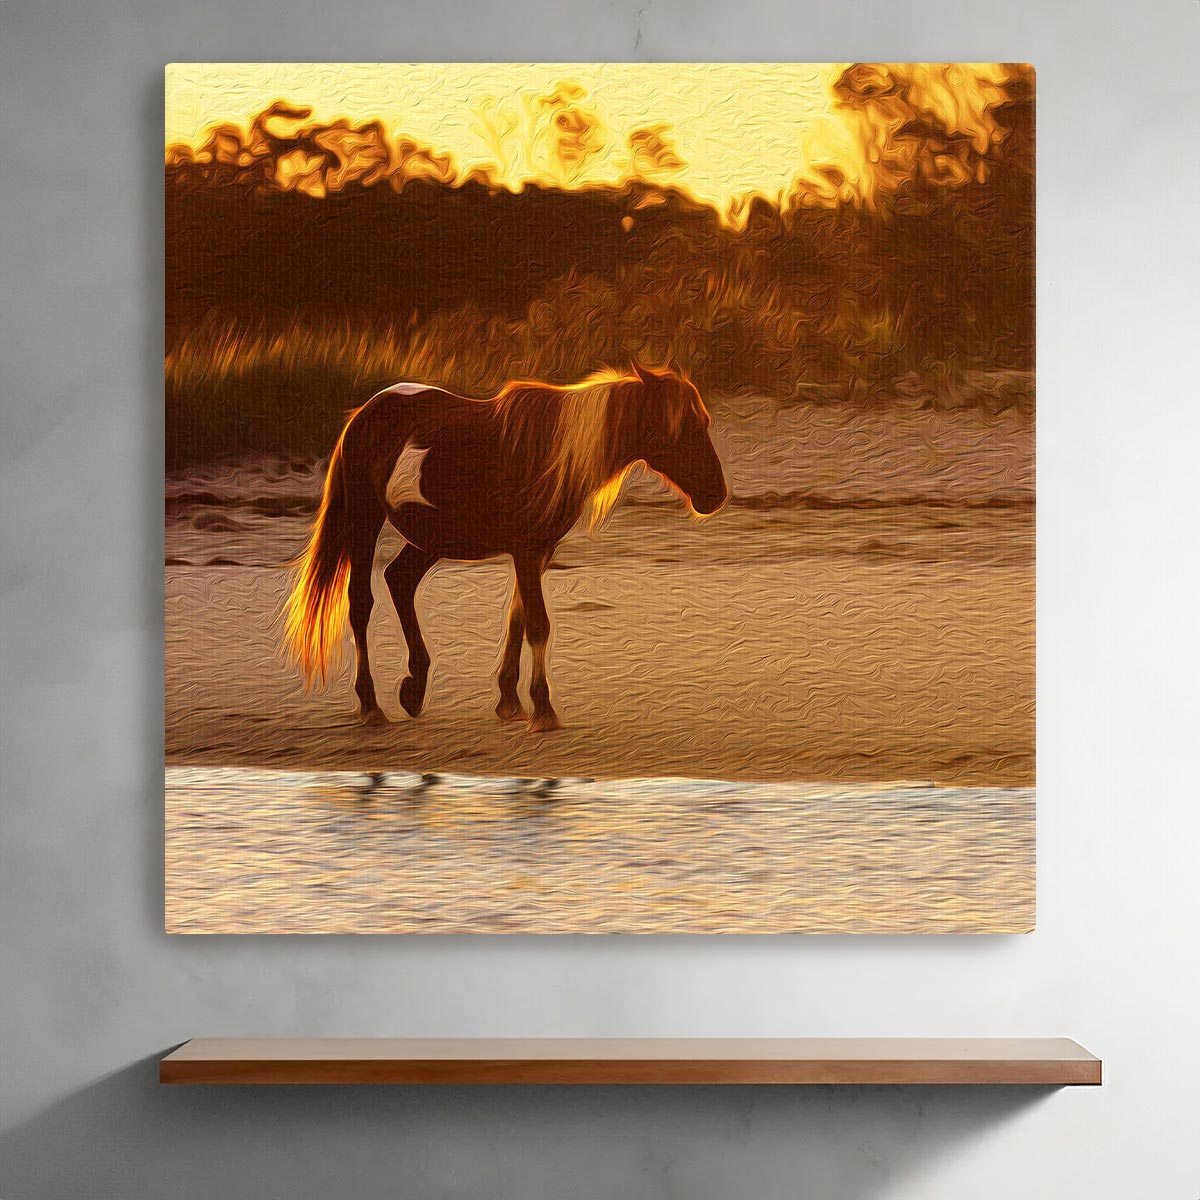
[[403, 576], [537, 630], [510, 707]]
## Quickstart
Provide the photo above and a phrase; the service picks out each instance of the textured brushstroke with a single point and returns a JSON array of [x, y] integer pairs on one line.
[[840, 259], [259, 852]]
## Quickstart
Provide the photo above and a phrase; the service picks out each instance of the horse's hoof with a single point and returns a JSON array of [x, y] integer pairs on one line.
[[511, 710], [546, 722], [412, 696], [373, 716]]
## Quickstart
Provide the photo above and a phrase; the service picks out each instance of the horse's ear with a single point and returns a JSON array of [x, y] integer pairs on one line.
[[645, 376]]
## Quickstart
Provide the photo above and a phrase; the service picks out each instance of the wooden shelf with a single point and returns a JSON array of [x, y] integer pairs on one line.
[[1044, 1061]]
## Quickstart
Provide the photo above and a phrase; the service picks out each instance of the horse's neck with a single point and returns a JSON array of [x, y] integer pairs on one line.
[[528, 435]]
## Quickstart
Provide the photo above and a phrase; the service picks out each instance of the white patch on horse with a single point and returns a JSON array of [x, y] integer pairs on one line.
[[410, 389], [404, 484]]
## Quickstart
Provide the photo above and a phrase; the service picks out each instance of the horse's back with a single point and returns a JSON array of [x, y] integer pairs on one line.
[[407, 412], [415, 402]]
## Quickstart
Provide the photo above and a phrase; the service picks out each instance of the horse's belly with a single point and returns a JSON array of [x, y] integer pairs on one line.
[[453, 530], [455, 500], [448, 534]]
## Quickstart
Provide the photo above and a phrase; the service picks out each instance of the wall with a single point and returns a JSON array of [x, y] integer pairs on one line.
[[93, 990]]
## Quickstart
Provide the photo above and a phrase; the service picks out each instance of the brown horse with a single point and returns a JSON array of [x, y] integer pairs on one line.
[[474, 479]]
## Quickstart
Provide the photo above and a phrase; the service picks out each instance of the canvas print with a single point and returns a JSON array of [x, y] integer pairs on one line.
[[599, 498]]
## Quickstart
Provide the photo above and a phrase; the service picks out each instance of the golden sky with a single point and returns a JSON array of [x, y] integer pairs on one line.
[[731, 130]]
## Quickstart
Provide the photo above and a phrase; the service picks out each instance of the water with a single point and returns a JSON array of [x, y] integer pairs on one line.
[[264, 851]]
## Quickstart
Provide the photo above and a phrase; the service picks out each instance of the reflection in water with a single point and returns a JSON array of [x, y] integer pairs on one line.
[[254, 851]]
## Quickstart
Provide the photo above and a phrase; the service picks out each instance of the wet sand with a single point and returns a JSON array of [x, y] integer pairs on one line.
[[252, 851]]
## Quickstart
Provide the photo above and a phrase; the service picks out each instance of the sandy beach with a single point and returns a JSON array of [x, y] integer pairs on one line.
[[871, 629], [856, 668]]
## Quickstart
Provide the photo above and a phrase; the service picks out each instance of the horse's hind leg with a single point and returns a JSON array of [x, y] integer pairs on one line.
[[510, 707], [403, 576], [362, 558]]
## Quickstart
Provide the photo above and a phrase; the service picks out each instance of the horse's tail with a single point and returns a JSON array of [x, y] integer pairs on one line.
[[316, 610]]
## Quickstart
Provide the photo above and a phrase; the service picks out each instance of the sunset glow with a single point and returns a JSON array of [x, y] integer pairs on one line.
[[577, 125]]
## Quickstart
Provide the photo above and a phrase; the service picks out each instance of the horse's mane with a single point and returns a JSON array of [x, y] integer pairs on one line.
[[565, 434]]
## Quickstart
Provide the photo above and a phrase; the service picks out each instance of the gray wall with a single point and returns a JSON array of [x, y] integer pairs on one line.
[[93, 990]]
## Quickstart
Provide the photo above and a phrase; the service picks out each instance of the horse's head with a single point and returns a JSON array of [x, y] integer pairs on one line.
[[671, 438]]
